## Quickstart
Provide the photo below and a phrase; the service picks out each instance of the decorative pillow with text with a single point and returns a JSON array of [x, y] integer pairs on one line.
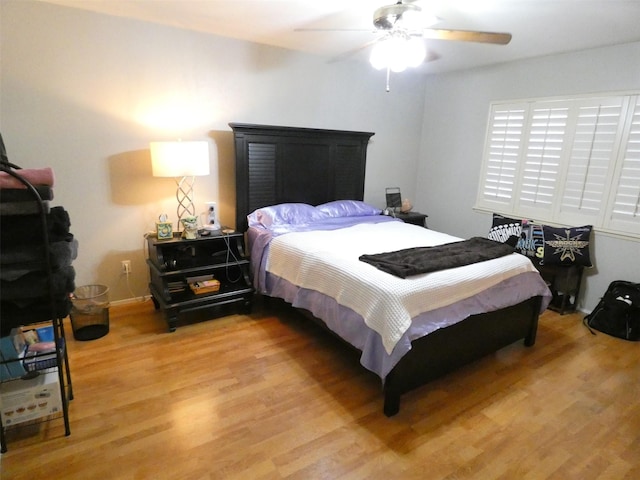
[[567, 245], [531, 242], [503, 228]]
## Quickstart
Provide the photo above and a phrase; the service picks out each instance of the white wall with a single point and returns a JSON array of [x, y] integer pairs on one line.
[[85, 94], [454, 126]]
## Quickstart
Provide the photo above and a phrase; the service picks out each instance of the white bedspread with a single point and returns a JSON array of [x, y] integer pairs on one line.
[[327, 261]]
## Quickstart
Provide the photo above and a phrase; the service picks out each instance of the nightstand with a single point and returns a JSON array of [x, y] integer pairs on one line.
[[564, 283], [414, 218], [177, 266]]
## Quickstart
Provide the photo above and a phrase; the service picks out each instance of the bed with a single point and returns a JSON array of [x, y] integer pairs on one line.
[[299, 195]]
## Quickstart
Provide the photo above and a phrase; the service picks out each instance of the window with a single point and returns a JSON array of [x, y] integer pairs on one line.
[[570, 162]]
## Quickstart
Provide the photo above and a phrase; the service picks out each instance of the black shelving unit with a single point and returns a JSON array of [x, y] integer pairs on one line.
[[176, 263], [50, 309]]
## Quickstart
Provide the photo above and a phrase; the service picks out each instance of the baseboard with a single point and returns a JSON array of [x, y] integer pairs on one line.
[[128, 301]]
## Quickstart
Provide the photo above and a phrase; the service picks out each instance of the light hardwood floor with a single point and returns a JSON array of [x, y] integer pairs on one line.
[[270, 396]]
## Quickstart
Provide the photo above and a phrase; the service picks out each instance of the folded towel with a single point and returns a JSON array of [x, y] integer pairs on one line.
[[35, 176], [37, 310], [22, 195], [26, 229], [16, 261], [22, 208], [36, 284]]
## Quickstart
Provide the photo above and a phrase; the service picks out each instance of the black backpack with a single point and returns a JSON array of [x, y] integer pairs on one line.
[[618, 312]]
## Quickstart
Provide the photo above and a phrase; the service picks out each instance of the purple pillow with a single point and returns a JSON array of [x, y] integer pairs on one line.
[[285, 214], [348, 208]]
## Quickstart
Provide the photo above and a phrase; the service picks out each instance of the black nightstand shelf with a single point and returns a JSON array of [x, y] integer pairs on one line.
[[173, 264]]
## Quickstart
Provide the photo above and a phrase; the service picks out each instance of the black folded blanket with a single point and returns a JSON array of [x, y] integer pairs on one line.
[[34, 310], [36, 284], [24, 195], [18, 260], [414, 261], [26, 229]]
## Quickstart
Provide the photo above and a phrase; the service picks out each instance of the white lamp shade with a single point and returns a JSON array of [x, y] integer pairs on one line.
[[179, 159]]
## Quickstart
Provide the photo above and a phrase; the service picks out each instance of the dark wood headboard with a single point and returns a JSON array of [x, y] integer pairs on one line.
[[287, 164]]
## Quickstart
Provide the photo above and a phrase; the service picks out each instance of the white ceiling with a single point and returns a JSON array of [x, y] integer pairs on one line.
[[539, 27]]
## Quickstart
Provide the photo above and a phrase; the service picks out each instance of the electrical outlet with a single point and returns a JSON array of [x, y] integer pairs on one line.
[[126, 267]]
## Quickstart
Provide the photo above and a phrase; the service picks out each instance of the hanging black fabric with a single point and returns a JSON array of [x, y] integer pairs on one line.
[[618, 312]]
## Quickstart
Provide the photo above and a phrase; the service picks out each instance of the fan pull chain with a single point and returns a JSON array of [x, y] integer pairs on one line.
[[388, 75]]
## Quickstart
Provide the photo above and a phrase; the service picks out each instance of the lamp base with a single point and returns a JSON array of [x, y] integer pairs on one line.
[[184, 196]]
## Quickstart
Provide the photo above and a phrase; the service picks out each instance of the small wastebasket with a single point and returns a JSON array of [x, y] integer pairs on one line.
[[90, 312]]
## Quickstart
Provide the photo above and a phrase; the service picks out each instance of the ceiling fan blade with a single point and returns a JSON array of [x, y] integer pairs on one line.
[[467, 36], [372, 30], [350, 53]]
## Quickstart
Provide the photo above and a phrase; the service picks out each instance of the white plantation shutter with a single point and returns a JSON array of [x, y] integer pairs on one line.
[[590, 165], [541, 167], [505, 137], [625, 212], [570, 162]]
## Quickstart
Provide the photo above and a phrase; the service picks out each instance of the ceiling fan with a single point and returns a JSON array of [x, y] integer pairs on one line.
[[391, 17], [403, 26]]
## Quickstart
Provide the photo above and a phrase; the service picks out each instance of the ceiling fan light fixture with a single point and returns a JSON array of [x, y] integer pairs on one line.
[[379, 55], [388, 53], [397, 66], [415, 52], [397, 53]]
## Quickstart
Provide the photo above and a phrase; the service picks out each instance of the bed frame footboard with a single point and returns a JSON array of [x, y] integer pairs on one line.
[[449, 348]]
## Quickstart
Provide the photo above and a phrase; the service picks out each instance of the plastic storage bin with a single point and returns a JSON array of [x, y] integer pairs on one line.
[[90, 312]]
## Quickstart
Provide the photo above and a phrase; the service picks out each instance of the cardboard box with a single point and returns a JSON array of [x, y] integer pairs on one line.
[[164, 230], [205, 286], [25, 400]]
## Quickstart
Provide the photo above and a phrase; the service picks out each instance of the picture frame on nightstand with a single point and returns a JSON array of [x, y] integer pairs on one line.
[[394, 198]]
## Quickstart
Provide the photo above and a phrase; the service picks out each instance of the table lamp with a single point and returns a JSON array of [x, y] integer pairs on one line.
[[182, 161]]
